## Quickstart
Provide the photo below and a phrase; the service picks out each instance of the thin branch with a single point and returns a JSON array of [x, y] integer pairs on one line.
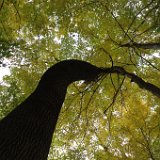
[[125, 33], [146, 30], [135, 17], [115, 95], [105, 51], [147, 144], [2, 5], [143, 58], [152, 9]]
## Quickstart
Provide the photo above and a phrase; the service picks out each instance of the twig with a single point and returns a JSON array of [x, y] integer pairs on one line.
[[115, 96], [2, 5]]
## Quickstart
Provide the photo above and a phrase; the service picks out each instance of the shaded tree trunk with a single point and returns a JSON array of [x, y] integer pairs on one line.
[[26, 133]]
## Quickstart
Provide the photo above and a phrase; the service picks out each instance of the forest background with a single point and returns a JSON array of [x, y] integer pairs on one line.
[[112, 119]]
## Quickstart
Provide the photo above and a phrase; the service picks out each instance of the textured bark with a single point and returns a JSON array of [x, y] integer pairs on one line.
[[26, 133]]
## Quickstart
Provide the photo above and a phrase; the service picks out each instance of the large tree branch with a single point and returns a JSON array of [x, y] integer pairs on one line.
[[155, 46], [134, 78]]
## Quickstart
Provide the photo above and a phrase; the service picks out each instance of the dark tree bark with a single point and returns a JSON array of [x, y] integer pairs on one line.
[[26, 133], [134, 78], [155, 46]]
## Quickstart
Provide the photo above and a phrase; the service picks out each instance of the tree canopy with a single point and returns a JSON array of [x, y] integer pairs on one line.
[[112, 118]]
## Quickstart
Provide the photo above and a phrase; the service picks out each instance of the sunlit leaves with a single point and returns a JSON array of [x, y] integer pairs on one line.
[[101, 120]]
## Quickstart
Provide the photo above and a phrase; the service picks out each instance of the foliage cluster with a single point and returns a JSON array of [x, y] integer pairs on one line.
[[110, 119]]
